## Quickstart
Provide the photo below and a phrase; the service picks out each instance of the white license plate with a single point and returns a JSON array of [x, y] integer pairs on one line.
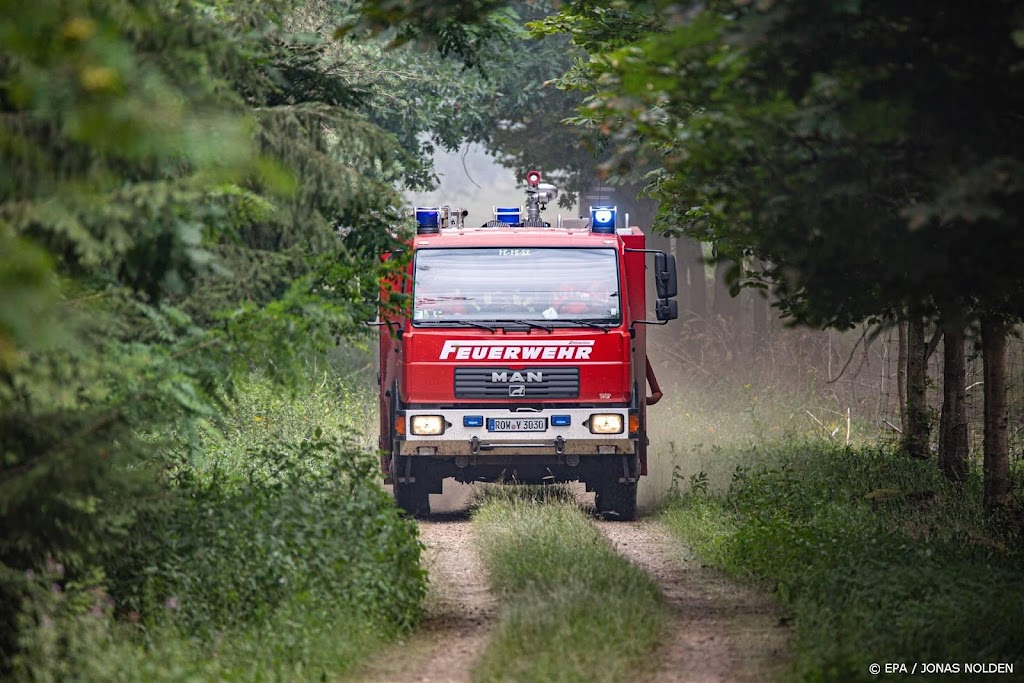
[[498, 424]]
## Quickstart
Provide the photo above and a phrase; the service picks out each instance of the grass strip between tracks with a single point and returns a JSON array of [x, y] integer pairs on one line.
[[572, 608]]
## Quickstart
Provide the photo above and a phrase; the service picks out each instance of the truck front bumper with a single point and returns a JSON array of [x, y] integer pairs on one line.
[[502, 431]]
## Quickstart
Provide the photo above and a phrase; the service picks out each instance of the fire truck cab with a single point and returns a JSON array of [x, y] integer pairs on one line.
[[522, 356]]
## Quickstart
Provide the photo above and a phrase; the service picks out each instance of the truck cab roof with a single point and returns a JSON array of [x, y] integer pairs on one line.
[[520, 237]]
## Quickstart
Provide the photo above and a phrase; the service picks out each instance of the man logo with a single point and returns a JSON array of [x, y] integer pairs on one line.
[[513, 376], [517, 390]]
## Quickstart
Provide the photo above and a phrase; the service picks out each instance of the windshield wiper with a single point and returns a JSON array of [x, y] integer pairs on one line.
[[587, 323], [460, 323], [530, 323]]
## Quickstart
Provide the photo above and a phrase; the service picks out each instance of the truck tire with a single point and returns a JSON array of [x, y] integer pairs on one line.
[[616, 501], [413, 497]]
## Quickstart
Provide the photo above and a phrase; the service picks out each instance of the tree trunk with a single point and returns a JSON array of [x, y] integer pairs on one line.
[[917, 435], [727, 310], [759, 311], [726, 306], [691, 261], [954, 448], [997, 450], [901, 372]]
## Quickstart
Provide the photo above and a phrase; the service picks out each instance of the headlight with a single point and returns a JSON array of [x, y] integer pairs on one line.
[[427, 425], [606, 423]]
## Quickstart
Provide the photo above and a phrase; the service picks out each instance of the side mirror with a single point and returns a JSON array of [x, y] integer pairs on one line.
[[665, 278], [666, 309]]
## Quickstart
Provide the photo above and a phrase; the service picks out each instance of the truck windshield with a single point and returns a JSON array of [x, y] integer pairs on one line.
[[546, 285]]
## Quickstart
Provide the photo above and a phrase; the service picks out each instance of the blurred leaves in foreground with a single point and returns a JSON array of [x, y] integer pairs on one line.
[[188, 192]]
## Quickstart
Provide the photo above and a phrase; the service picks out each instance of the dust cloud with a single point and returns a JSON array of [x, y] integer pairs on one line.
[[455, 497]]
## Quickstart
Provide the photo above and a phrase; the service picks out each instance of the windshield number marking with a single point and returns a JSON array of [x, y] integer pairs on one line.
[[513, 252]]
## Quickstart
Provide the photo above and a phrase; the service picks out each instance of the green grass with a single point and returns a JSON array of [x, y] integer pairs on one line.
[[273, 554], [709, 421], [572, 609], [299, 642], [264, 413], [878, 558]]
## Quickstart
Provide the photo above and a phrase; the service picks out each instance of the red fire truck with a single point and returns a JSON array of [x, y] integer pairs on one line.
[[522, 356]]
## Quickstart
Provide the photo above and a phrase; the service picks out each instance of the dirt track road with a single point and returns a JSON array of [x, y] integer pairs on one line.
[[459, 611], [722, 632]]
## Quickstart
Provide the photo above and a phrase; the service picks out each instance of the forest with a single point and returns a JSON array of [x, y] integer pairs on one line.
[[194, 199]]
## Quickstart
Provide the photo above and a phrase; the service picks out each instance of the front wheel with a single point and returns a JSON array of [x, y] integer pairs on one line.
[[615, 494], [412, 492]]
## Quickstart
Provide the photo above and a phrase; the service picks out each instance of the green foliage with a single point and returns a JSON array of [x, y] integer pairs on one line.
[[507, 101], [300, 641], [879, 558], [560, 582], [261, 412], [275, 555], [837, 153], [463, 29], [301, 523], [187, 194]]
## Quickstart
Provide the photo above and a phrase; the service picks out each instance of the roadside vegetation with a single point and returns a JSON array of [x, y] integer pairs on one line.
[[834, 185], [572, 608], [711, 413], [262, 561], [878, 557], [194, 197]]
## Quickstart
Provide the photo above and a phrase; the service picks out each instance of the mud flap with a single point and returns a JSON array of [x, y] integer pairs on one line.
[[643, 442], [411, 494], [627, 477]]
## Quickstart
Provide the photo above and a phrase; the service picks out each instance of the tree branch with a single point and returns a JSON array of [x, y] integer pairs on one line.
[[850, 359]]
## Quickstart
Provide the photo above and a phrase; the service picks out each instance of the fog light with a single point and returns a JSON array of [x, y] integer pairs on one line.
[[605, 423], [427, 425]]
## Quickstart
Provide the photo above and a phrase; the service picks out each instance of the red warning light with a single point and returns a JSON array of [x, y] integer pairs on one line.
[[533, 178]]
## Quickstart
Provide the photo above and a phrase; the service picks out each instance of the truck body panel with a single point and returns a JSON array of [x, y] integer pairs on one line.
[[522, 357]]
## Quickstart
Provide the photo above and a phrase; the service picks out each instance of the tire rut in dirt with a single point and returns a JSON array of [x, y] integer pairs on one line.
[[722, 631], [459, 611]]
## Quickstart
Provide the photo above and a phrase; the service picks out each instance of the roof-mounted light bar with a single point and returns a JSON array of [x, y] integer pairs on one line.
[[428, 220], [510, 215]]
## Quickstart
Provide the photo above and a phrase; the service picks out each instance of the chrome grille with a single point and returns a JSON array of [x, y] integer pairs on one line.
[[530, 383]]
